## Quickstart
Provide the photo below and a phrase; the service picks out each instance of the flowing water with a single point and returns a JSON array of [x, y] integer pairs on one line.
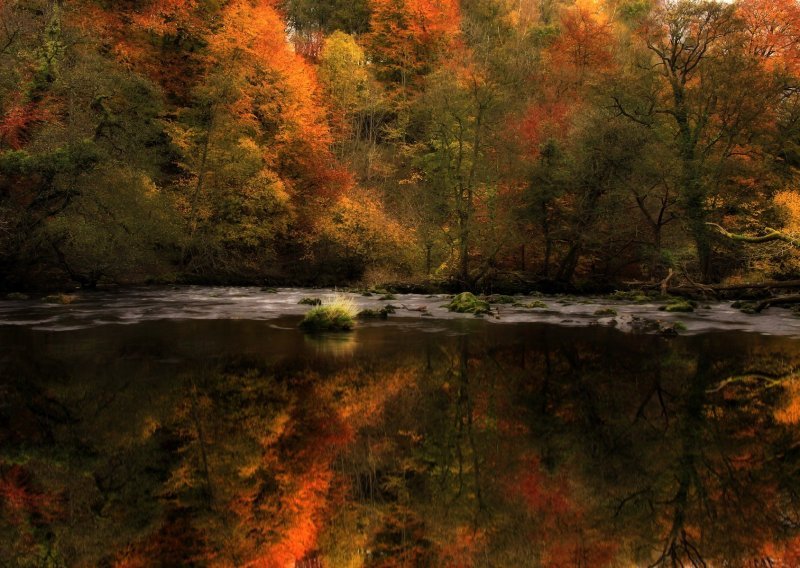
[[209, 431]]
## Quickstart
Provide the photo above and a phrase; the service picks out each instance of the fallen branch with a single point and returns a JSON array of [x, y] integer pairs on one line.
[[704, 289], [769, 284], [769, 381], [779, 300], [759, 285], [665, 282], [771, 235]]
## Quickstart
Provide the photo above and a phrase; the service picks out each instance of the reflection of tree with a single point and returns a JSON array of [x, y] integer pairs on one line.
[[696, 468], [551, 447], [586, 452]]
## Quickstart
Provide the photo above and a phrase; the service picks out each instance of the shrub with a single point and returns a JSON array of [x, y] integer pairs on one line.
[[310, 302]]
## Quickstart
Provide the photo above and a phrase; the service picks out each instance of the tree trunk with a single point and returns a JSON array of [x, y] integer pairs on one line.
[[570, 262], [428, 248]]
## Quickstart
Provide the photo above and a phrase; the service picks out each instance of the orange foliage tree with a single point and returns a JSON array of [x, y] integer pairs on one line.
[[407, 36]]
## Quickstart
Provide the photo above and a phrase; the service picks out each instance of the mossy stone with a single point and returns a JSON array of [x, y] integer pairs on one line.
[[467, 303]]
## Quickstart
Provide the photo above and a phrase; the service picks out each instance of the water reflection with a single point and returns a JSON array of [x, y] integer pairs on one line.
[[333, 344], [225, 443]]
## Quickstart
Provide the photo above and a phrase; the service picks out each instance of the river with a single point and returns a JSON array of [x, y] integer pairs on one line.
[[199, 427]]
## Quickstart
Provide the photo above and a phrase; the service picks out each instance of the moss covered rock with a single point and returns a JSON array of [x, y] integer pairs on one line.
[[637, 296], [63, 299], [605, 312], [678, 306], [17, 296], [500, 299], [383, 313], [467, 303], [530, 305]]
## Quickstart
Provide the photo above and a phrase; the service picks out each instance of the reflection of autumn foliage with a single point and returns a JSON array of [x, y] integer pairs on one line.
[[540, 493], [554, 448], [559, 515], [789, 412], [21, 502], [19, 118], [785, 555], [273, 479]]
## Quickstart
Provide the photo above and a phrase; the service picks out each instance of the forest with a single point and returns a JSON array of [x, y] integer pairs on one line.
[[473, 143]]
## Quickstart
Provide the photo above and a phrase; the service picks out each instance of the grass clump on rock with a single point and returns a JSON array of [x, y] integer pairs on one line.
[[338, 314], [310, 302], [467, 303]]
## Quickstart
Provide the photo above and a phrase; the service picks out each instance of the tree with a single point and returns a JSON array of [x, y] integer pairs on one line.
[[358, 106], [701, 66], [459, 103], [406, 39]]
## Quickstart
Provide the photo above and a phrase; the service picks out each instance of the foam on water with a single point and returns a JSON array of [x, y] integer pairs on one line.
[[252, 303]]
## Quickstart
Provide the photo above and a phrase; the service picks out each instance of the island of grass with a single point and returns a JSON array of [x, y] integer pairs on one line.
[[338, 314]]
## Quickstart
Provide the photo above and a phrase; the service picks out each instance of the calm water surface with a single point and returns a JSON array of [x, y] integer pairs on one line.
[[413, 442]]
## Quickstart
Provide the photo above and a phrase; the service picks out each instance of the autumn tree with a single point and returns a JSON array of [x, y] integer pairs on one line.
[[358, 106], [406, 39], [702, 66], [459, 103]]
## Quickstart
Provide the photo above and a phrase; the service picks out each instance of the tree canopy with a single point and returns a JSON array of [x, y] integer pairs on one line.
[[544, 141]]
